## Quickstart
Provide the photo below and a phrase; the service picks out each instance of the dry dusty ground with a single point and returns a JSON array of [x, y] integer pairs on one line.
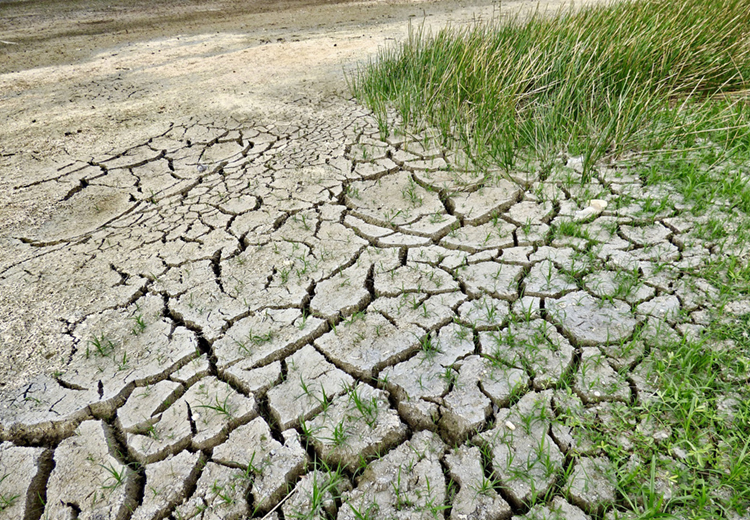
[[116, 93], [214, 275]]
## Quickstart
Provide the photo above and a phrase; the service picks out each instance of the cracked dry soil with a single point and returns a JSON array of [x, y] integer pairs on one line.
[[202, 309]]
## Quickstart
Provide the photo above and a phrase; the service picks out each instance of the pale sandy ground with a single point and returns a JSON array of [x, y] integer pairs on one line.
[[116, 94]]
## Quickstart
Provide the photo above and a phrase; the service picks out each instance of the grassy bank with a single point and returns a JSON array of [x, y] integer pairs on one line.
[[599, 82]]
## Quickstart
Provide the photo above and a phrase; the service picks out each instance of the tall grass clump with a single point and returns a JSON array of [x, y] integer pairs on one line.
[[599, 81]]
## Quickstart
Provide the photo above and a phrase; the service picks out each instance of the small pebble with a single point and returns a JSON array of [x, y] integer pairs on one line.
[[510, 425], [679, 453]]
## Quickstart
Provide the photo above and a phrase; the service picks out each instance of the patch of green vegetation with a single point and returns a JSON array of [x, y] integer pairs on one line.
[[683, 449], [697, 379], [598, 82], [571, 228]]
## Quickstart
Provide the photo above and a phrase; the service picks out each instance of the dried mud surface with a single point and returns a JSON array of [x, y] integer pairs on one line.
[[215, 276]]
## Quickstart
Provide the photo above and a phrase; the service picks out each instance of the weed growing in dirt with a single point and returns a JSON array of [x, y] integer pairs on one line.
[[326, 487], [222, 407], [253, 339], [102, 345], [367, 408], [115, 478], [139, 324]]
